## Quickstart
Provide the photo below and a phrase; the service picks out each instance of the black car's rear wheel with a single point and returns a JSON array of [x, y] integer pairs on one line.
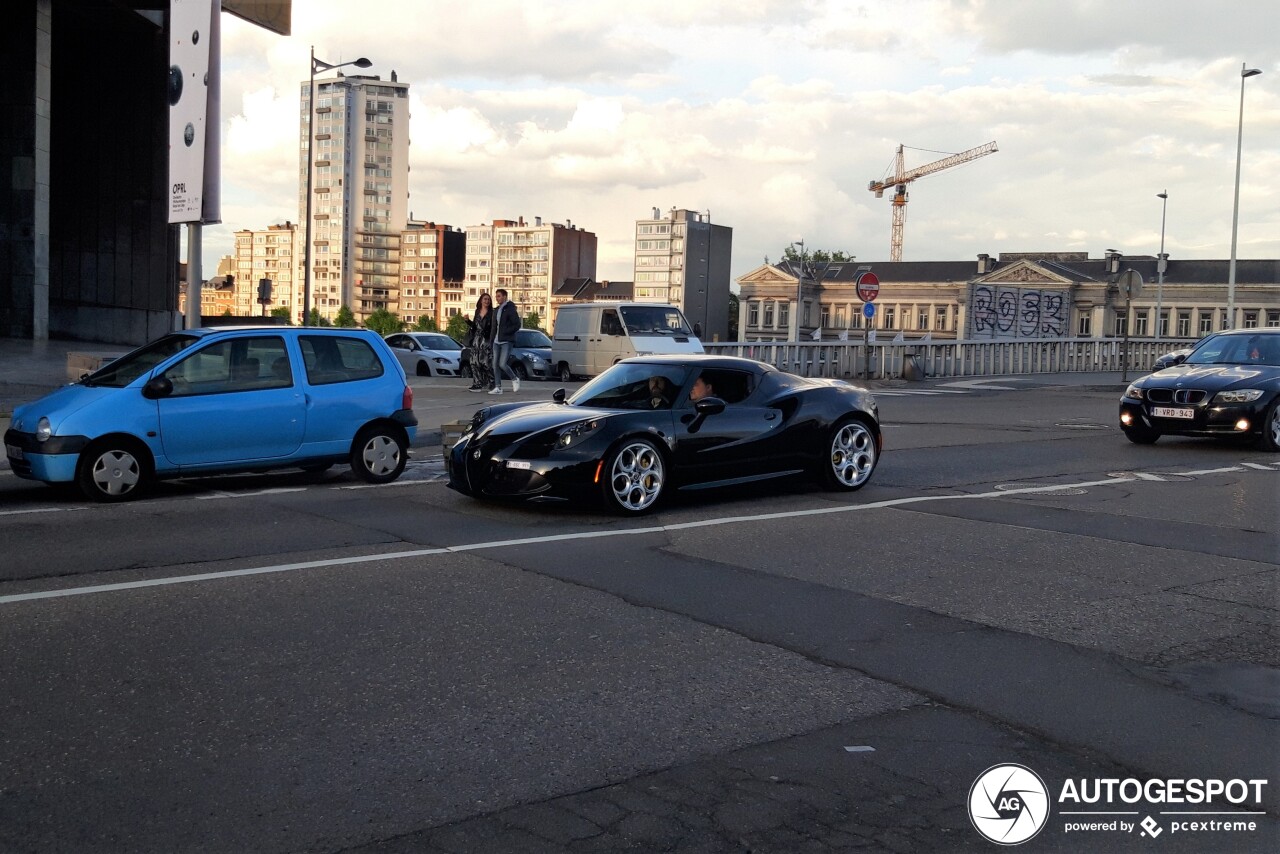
[[851, 457], [1270, 438], [1141, 435], [379, 454], [635, 476]]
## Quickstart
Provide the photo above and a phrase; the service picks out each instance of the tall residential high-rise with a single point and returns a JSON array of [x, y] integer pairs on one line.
[[430, 255], [267, 254], [683, 259], [360, 192], [528, 260]]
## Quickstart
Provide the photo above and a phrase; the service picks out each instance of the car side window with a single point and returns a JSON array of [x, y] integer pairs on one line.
[[609, 323], [401, 342], [236, 364], [336, 359], [729, 385]]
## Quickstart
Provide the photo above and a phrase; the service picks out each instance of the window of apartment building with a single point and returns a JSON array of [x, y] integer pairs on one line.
[[784, 314], [1184, 324], [922, 317], [753, 314], [1084, 325], [1273, 317], [890, 317], [840, 317], [1122, 323], [1140, 323], [768, 315], [940, 318], [1164, 323], [1222, 319], [1251, 319], [1206, 322], [824, 319]]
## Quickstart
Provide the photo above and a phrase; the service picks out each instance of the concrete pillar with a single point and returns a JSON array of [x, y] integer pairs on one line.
[[44, 88]]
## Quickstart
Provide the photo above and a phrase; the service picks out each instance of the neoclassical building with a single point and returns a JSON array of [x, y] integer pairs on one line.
[[1017, 295]]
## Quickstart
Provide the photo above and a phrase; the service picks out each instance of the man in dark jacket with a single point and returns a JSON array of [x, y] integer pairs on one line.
[[506, 324]]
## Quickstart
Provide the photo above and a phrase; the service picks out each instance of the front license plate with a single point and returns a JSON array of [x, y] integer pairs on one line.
[[523, 465], [13, 451], [1172, 412]]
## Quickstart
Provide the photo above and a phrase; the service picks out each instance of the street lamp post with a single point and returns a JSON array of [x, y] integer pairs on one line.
[[1245, 72], [316, 65], [799, 287], [1160, 259]]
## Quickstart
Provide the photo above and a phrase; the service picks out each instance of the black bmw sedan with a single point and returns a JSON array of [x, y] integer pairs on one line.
[[653, 424], [1228, 386]]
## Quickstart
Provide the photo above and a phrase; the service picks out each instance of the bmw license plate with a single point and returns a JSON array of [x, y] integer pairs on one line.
[[522, 465], [13, 451], [1172, 412]]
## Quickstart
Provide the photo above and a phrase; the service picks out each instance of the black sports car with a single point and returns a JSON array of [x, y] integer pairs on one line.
[[652, 424], [1229, 386]]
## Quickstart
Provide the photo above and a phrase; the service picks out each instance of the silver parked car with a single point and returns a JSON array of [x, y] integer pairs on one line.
[[427, 354]]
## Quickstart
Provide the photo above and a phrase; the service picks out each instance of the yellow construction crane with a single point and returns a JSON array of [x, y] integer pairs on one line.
[[901, 177]]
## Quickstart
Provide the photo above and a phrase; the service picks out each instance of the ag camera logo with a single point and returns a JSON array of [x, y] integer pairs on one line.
[[1008, 804]]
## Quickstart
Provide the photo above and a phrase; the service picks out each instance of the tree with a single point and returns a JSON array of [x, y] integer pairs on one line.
[[344, 318], [456, 328], [817, 256], [281, 311], [733, 317], [533, 320], [426, 323], [317, 319], [384, 322], [226, 312]]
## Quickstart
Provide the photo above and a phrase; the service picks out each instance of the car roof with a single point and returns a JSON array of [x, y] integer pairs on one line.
[[205, 331], [701, 360]]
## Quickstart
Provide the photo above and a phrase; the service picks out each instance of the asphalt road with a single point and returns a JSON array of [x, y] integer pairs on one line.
[[300, 663]]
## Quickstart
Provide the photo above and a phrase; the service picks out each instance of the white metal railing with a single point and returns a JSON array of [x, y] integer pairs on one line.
[[917, 359]]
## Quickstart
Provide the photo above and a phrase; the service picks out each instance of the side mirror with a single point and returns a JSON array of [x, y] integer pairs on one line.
[[709, 406], [157, 387], [1178, 360], [558, 395]]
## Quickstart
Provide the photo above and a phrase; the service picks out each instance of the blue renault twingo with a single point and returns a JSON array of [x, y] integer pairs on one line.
[[219, 400]]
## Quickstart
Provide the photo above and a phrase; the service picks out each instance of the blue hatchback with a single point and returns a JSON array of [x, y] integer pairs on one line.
[[220, 400]]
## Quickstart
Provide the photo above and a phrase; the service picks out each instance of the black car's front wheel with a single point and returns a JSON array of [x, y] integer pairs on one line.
[[851, 455], [378, 454], [1141, 435], [1270, 438], [636, 474]]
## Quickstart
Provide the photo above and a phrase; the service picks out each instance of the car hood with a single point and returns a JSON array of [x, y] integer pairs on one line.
[[1211, 377], [537, 417], [58, 405]]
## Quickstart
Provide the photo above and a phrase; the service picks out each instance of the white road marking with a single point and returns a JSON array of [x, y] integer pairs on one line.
[[1258, 466], [1144, 476], [39, 510], [279, 490], [984, 385], [860, 748], [581, 535]]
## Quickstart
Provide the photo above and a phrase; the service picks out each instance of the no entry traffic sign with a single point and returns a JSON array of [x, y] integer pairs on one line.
[[868, 287]]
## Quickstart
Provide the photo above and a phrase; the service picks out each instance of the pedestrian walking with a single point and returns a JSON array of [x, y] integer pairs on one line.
[[480, 340], [506, 323]]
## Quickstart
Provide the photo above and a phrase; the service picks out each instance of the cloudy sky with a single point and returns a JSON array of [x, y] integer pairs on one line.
[[775, 114]]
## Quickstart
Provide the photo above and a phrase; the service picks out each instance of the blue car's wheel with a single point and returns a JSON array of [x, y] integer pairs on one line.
[[113, 470], [636, 475], [379, 454], [851, 455]]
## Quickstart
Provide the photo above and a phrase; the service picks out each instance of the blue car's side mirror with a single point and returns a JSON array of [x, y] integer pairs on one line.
[[157, 387]]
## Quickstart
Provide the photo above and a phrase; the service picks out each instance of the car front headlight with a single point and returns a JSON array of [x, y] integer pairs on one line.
[[535, 358], [1133, 392], [575, 433], [1242, 395], [440, 361], [44, 430]]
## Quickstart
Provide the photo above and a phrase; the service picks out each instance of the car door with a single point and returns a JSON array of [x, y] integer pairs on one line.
[[607, 342], [234, 400], [730, 445], [405, 349]]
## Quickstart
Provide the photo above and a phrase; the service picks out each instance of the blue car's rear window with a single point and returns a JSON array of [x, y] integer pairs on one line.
[[336, 359]]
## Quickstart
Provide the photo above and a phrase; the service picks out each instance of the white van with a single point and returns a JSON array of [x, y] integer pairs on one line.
[[590, 337]]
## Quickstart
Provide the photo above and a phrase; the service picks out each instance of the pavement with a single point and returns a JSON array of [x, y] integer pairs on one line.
[[35, 368]]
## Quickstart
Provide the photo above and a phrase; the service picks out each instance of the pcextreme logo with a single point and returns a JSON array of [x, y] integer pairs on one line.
[[1009, 804]]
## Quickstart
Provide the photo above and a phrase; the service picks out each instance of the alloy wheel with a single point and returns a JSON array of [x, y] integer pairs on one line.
[[853, 454], [637, 477]]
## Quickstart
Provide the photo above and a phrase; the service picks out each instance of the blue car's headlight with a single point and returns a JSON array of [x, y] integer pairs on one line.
[[575, 433], [1133, 392], [1242, 395], [43, 430]]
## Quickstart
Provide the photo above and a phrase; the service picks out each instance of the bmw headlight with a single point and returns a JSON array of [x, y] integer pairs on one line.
[[1242, 395], [43, 430], [1133, 392], [575, 433]]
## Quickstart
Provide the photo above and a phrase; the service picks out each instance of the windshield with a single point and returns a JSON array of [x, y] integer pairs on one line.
[[654, 319], [532, 338], [438, 342], [1259, 349], [633, 386], [130, 366]]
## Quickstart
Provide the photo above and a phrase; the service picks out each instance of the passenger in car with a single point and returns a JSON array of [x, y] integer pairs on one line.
[[701, 388]]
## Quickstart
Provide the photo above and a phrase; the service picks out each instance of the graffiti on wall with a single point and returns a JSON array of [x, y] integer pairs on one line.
[[999, 311]]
